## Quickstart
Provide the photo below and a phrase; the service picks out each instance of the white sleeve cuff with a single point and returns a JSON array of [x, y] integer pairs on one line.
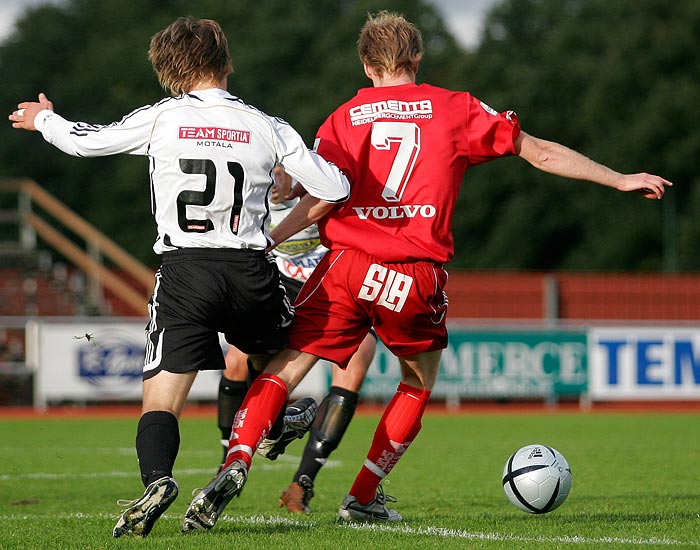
[[40, 120]]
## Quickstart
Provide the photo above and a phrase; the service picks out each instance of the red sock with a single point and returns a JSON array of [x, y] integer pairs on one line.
[[263, 402], [397, 429]]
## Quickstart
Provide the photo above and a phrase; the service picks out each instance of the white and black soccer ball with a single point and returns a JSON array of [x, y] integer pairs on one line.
[[537, 479]]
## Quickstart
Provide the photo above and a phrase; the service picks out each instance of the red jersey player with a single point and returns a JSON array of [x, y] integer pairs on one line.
[[409, 147], [405, 148]]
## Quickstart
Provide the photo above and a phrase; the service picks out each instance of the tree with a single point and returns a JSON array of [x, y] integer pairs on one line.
[[617, 81]]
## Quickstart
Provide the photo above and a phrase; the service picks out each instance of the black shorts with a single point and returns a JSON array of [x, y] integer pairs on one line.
[[292, 286], [200, 293]]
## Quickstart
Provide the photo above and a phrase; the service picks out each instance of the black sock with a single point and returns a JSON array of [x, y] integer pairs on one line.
[[157, 444], [334, 415], [231, 394]]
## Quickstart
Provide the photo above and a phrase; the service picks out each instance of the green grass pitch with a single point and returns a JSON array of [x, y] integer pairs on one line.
[[635, 485]]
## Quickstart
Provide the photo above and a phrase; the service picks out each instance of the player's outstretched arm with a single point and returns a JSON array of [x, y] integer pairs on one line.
[[26, 112], [560, 160]]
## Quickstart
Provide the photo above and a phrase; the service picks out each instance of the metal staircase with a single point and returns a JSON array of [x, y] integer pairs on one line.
[[39, 217]]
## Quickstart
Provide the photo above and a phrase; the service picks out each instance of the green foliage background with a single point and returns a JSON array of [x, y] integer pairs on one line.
[[618, 81]]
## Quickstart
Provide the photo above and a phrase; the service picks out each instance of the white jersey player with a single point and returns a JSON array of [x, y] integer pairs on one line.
[[211, 161], [211, 164]]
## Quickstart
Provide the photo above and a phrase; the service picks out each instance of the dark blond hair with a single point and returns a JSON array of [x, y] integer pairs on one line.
[[389, 44], [188, 52]]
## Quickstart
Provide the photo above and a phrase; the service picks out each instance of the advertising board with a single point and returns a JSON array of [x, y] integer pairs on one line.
[[102, 360], [644, 363], [496, 364]]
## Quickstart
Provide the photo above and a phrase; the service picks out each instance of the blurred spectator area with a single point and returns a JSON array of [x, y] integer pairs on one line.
[[62, 291]]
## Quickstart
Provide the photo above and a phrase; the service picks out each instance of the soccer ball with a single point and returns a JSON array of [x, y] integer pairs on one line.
[[537, 479]]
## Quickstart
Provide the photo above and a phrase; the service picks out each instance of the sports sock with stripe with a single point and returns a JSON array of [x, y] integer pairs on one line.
[[254, 419], [397, 429]]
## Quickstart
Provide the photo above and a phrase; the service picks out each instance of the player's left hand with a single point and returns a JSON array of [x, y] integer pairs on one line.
[[26, 112]]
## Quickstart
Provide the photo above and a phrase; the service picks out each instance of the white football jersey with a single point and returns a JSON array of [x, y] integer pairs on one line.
[[211, 161], [297, 256]]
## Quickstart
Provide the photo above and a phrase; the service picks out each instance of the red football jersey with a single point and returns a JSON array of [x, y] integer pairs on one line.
[[405, 150]]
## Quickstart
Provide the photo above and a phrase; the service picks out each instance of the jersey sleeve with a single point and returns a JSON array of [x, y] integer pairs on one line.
[[329, 147], [320, 178], [129, 135], [490, 134]]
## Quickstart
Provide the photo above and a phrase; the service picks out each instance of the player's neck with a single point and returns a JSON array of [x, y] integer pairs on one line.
[[385, 79], [393, 80], [209, 84]]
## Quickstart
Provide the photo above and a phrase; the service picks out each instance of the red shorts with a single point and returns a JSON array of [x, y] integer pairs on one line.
[[350, 292]]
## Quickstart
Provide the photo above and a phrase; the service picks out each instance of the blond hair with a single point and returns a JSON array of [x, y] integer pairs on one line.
[[389, 44], [189, 51]]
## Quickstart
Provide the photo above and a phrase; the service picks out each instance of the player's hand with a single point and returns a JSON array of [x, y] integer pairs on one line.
[[26, 112], [282, 186], [297, 191], [648, 185]]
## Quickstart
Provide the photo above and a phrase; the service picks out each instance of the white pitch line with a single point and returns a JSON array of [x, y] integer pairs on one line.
[[459, 534], [289, 463], [46, 475], [63, 451], [134, 473], [440, 532]]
